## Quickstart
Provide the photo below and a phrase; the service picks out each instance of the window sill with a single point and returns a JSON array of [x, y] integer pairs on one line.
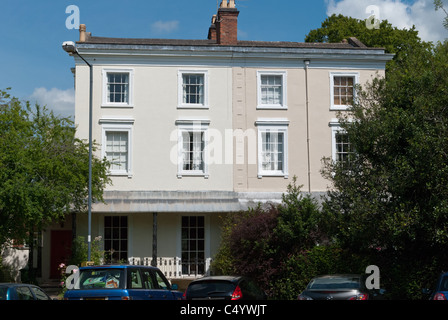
[[121, 174], [117, 106], [340, 107], [192, 174], [272, 107], [272, 174], [192, 106]]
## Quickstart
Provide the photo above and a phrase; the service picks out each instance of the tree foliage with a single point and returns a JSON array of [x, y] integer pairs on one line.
[[393, 198], [260, 241], [43, 169], [339, 27]]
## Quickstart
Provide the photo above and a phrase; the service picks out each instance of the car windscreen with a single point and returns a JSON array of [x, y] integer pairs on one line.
[[107, 278], [210, 288], [336, 283]]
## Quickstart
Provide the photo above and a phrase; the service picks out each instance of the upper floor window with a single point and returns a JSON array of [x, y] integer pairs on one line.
[[117, 145], [193, 89], [272, 148], [117, 87], [342, 89], [192, 148], [342, 149], [271, 89]]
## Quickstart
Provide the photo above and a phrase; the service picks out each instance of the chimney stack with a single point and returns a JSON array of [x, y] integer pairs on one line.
[[82, 33], [212, 29], [226, 23]]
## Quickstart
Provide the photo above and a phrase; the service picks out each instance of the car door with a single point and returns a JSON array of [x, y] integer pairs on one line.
[[161, 287], [24, 293], [136, 285]]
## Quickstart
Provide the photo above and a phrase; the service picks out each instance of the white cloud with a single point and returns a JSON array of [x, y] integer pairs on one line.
[[61, 102], [164, 26], [400, 13]]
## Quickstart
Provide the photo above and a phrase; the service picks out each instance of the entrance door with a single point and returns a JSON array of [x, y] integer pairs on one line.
[[61, 248]]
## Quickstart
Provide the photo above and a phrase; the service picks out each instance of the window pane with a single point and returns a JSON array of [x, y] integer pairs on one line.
[[271, 89], [343, 90], [193, 151], [272, 151], [193, 245], [117, 150], [117, 87], [116, 238], [193, 88]]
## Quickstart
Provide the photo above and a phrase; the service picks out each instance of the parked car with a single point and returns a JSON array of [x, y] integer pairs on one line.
[[224, 288], [339, 287], [22, 291], [122, 282], [440, 290]]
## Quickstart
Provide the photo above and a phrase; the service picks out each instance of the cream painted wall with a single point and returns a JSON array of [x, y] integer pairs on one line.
[[154, 132], [246, 114]]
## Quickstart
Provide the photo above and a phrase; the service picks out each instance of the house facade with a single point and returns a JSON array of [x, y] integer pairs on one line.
[[196, 129]]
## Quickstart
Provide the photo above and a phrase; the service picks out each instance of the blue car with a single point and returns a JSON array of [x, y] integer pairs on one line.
[[22, 291], [440, 290], [122, 282]]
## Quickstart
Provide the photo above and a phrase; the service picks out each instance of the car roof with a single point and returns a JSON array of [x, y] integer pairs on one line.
[[341, 275], [219, 278], [117, 266], [12, 284]]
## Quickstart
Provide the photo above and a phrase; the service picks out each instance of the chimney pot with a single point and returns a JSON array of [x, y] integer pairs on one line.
[[82, 33]]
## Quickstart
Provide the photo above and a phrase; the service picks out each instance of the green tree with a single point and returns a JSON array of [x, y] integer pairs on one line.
[[338, 27], [43, 169], [393, 197], [439, 6]]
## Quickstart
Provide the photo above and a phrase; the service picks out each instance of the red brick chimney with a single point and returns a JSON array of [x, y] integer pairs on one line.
[[227, 23], [212, 30]]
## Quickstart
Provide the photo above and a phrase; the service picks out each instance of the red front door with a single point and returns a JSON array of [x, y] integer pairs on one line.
[[61, 248]]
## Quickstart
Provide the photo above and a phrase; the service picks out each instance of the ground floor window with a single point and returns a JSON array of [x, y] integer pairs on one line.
[[116, 238], [193, 245]]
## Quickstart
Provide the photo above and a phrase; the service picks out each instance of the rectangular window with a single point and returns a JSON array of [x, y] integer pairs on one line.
[[117, 151], [117, 87], [271, 89], [193, 89], [116, 239], [193, 245], [342, 90], [272, 148], [192, 147], [117, 144], [193, 151], [343, 150]]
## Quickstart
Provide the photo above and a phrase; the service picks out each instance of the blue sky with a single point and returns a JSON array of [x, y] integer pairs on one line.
[[34, 65]]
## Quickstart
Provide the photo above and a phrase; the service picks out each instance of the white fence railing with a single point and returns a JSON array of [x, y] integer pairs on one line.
[[171, 267]]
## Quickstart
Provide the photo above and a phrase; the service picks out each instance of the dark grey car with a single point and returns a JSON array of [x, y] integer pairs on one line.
[[339, 287], [224, 288], [22, 291]]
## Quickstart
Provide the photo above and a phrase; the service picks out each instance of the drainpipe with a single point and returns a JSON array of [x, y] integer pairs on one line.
[[307, 63]]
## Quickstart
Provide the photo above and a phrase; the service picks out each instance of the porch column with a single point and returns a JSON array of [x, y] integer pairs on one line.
[[154, 239]]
